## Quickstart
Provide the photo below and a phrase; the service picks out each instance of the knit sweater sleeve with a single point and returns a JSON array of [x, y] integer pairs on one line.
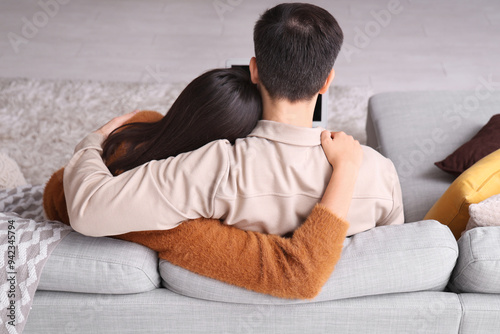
[[295, 267]]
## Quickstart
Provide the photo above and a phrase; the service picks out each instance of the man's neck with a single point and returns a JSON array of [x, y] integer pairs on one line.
[[283, 111]]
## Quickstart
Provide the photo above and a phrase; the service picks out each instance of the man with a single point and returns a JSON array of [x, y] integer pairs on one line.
[[266, 182]]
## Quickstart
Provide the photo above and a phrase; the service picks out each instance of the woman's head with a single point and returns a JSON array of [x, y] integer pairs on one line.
[[219, 104]]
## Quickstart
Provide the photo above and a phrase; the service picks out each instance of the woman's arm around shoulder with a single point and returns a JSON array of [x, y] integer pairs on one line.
[[295, 267], [100, 204]]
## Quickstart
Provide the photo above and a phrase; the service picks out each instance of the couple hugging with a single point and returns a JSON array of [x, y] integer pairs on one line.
[[233, 182]]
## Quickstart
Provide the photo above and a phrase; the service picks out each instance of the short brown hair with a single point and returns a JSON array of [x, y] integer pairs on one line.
[[296, 45]]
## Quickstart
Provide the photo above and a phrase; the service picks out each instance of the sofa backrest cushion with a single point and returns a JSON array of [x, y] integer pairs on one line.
[[386, 259], [416, 129], [485, 213], [478, 268], [100, 265]]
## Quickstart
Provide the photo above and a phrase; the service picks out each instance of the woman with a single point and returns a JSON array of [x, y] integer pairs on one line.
[[219, 104], [292, 268]]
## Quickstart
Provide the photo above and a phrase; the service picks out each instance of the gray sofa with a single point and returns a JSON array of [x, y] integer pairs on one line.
[[413, 278]]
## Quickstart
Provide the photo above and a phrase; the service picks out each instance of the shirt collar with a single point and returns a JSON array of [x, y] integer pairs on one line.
[[288, 134]]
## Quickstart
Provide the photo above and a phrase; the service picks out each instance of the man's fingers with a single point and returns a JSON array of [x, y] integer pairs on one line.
[[326, 138], [339, 134]]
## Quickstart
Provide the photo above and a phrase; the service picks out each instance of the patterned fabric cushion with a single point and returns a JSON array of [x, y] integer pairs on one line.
[[25, 246], [26, 201]]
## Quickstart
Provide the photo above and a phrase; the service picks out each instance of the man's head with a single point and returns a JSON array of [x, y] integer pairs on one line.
[[296, 45]]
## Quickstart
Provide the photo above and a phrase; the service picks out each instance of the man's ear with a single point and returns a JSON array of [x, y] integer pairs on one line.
[[254, 73], [327, 82]]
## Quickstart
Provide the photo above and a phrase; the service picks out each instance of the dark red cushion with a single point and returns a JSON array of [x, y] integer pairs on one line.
[[486, 141]]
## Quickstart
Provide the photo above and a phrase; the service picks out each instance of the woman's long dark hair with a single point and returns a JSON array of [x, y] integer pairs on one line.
[[219, 104]]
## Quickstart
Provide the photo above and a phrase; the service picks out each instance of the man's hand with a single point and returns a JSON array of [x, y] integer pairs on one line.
[[341, 148], [115, 123], [345, 155]]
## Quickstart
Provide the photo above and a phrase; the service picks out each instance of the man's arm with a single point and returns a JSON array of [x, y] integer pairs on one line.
[[158, 195]]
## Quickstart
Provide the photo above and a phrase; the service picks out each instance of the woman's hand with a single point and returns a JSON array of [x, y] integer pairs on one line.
[[341, 149], [115, 123]]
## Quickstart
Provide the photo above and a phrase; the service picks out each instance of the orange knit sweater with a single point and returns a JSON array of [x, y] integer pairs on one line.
[[295, 267]]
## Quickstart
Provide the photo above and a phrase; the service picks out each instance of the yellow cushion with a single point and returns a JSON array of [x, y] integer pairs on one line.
[[476, 184]]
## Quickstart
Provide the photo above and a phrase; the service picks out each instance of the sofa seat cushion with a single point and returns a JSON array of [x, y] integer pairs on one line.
[[480, 313], [478, 268], [388, 259], [416, 129], [163, 312], [100, 265]]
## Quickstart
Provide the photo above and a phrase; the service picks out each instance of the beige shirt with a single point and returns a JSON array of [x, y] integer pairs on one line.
[[267, 182]]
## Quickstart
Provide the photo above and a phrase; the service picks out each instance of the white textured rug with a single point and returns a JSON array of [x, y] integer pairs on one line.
[[41, 121]]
